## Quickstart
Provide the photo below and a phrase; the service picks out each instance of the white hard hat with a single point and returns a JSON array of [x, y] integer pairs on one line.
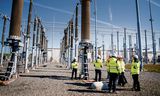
[[98, 56], [135, 56], [75, 58], [114, 55], [120, 56]]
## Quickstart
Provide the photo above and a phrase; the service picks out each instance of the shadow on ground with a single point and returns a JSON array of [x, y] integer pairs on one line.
[[48, 76], [80, 84], [86, 91]]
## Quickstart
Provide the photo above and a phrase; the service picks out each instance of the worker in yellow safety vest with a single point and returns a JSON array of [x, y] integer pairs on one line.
[[107, 66], [114, 70], [98, 66], [74, 68], [135, 70], [121, 79]]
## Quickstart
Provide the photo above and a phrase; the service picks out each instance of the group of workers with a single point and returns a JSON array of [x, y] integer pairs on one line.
[[115, 69]]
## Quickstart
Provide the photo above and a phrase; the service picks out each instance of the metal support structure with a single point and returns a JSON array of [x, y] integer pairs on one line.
[[139, 33], [72, 34], [85, 37], [125, 46], [112, 45], [14, 38], [146, 48], [3, 36], [76, 33], [33, 43], [37, 40], [159, 43], [28, 35], [137, 45], [103, 58], [117, 42], [153, 35], [95, 13], [130, 48], [69, 46]]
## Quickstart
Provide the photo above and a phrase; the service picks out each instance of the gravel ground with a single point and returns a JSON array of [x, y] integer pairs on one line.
[[55, 81]]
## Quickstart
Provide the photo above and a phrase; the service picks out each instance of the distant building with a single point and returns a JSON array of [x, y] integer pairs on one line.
[[54, 54]]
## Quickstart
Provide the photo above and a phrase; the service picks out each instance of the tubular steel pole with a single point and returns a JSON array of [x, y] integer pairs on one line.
[[159, 43], [153, 36], [76, 33], [130, 48], [37, 40], [146, 49], [125, 46], [139, 33], [3, 36], [28, 35], [71, 53], [112, 42], [33, 43], [69, 45], [103, 47], [95, 13], [118, 42]]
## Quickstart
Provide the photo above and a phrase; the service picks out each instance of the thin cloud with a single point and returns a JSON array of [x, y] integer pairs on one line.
[[50, 8], [68, 12], [155, 3]]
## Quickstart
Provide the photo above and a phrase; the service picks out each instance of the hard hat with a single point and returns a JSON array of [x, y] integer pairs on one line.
[[98, 56], [75, 59], [120, 56], [135, 56], [114, 55]]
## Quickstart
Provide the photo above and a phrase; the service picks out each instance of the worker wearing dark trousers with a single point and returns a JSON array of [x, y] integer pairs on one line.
[[122, 79], [114, 71], [135, 70], [97, 73], [98, 66], [74, 68]]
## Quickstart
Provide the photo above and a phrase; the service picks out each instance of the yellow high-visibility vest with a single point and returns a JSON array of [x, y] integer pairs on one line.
[[135, 68], [98, 64], [107, 64], [122, 65], [74, 65], [113, 66]]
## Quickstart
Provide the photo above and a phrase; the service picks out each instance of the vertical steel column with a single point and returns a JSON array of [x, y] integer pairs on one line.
[[103, 47], [146, 48], [95, 13], [14, 37], [139, 32], [85, 36], [130, 48], [137, 44], [69, 45], [37, 40], [28, 35], [71, 53], [112, 46], [33, 42], [153, 35], [125, 46], [117, 42], [3, 36], [76, 33], [159, 43]]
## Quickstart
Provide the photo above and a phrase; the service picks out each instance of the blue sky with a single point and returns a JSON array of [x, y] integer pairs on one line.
[[55, 15]]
